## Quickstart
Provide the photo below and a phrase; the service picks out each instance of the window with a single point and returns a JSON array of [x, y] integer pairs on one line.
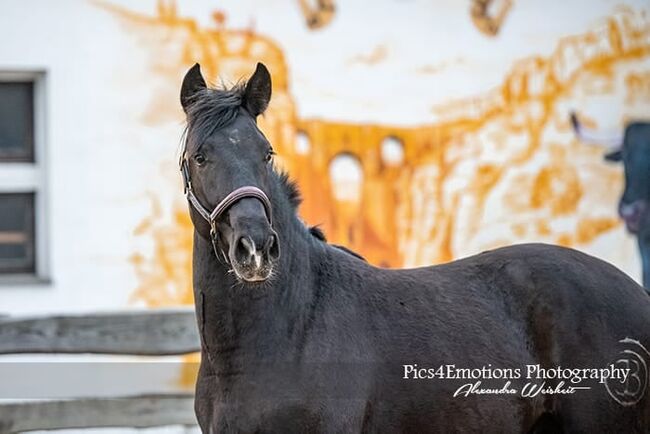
[[22, 189], [17, 233], [17, 121]]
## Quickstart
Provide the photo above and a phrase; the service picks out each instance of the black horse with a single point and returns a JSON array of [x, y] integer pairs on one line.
[[299, 336]]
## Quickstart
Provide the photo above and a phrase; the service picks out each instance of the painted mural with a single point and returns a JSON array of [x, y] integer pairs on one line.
[[498, 168], [488, 17]]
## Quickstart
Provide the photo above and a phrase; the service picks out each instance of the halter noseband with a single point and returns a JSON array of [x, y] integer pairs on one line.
[[228, 201]]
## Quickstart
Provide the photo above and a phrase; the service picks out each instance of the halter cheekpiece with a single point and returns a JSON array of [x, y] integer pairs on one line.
[[233, 197]]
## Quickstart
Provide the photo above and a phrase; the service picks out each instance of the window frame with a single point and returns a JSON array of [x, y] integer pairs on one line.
[[26, 177]]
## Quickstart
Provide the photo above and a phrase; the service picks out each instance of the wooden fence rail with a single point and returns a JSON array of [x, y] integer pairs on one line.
[[133, 412], [150, 333]]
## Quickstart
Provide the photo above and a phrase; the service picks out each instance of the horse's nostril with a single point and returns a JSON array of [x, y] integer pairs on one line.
[[272, 247], [248, 253], [244, 249]]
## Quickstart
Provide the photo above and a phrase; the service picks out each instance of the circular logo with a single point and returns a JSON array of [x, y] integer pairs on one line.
[[634, 358]]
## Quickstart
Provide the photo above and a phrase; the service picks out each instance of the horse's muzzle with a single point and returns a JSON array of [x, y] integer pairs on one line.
[[252, 258], [634, 214]]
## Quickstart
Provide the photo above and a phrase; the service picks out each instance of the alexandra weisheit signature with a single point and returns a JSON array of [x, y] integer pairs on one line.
[[529, 390]]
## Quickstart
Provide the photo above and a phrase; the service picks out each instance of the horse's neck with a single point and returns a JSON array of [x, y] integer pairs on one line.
[[239, 314]]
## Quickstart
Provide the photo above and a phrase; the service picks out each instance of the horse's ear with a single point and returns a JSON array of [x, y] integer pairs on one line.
[[258, 91], [614, 155], [192, 83]]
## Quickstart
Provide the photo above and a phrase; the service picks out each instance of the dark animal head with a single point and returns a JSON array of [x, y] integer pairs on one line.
[[633, 149], [225, 150], [635, 154]]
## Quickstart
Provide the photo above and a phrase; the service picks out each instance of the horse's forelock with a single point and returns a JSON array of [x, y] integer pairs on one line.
[[212, 109]]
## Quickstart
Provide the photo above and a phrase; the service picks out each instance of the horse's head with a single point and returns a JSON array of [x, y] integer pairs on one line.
[[227, 164]]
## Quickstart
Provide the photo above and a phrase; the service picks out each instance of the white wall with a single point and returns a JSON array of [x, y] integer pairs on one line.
[[102, 159], [100, 164]]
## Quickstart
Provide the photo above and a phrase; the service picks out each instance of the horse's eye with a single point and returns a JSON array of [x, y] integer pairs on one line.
[[199, 158], [269, 155]]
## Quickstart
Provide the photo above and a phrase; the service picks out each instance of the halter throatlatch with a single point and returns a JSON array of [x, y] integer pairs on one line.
[[228, 201]]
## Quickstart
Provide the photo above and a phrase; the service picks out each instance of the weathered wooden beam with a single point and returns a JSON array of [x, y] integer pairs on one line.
[[133, 412], [154, 332]]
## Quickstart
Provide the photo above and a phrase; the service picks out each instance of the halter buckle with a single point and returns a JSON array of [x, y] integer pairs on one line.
[[215, 244]]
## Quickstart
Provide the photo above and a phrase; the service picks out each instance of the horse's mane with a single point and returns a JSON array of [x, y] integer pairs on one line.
[[290, 188], [211, 109], [318, 233]]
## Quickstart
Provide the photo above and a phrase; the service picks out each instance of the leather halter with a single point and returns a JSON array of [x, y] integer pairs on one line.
[[233, 197]]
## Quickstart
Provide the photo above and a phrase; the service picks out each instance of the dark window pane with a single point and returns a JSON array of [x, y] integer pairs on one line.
[[17, 233], [16, 121]]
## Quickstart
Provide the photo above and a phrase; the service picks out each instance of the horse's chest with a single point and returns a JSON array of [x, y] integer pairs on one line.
[[255, 403]]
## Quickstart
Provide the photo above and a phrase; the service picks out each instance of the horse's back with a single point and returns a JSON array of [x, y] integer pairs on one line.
[[564, 283], [536, 277]]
